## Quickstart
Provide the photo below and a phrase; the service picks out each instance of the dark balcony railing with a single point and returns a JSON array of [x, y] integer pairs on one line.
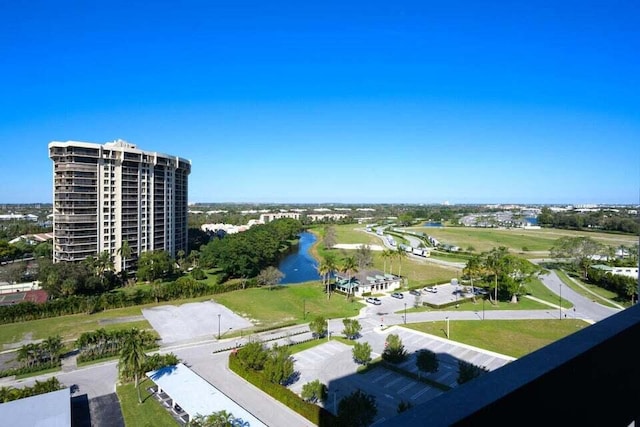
[[589, 378]]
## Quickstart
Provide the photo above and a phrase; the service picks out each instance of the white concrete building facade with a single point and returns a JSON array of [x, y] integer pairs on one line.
[[106, 194]]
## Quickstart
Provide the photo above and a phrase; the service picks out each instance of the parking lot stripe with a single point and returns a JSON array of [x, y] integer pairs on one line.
[[407, 387], [386, 374], [420, 393], [391, 383]]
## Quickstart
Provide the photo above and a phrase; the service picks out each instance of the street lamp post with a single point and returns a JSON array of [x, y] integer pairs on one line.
[[218, 326], [447, 319], [405, 313], [560, 303], [304, 309], [483, 299]]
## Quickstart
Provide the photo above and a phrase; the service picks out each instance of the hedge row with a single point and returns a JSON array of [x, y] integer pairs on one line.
[[317, 415]]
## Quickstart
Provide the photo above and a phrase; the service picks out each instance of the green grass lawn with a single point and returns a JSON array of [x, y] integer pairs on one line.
[[70, 327], [540, 241], [285, 304], [150, 413], [603, 296], [515, 338]]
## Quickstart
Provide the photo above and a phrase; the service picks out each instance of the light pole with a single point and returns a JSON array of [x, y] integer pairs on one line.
[[560, 303], [483, 299], [405, 313], [447, 319], [304, 309], [218, 326]]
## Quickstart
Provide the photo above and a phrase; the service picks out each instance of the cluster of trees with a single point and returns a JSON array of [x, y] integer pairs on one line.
[[134, 361], [183, 287], [8, 393], [38, 356], [246, 254], [608, 220], [275, 362], [101, 343], [508, 273]]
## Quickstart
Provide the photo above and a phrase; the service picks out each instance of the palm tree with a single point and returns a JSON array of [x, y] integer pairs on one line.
[[494, 263], [125, 253], [132, 358], [473, 269], [323, 271], [390, 255], [386, 254], [349, 266], [400, 254]]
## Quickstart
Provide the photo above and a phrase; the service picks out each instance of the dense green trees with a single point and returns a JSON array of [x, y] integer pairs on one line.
[[8, 394], [351, 329], [509, 273], [278, 367], [246, 254], [468, 371], [357, 409], [132, 358], [427, 361], [394, 350], [361, 353], [314, 391], [582, 251], [154, 265], [319, 327]]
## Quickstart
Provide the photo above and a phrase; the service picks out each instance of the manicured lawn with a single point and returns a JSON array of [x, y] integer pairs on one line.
[[603, 296], [485, 239], [515, 338], [284, 304], [148, 414]]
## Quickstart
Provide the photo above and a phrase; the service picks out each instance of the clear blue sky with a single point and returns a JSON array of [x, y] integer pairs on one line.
[[347, 101]]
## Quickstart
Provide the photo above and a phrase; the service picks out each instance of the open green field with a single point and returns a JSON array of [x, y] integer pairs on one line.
[[72, 326], [536, 242], [285, 304], [418, 272], [149, 413], [515, 338]]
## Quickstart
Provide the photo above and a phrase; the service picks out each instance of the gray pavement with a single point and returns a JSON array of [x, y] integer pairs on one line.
[[193, 321]]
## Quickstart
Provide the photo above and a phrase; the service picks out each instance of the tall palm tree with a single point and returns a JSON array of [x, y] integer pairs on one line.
[[390, 255], [493, 262], [132, 358], [349, 267], [472, 270], [125, 252], [386, 254], [323, 271], [400, 254]]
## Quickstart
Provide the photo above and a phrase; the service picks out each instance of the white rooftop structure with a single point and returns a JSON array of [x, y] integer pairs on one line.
[[196, 396], [43, 410]]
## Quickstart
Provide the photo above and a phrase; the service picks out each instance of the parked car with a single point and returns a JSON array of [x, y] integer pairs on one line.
[[414, 292], [373, 300], [432, 290], [397, 295]]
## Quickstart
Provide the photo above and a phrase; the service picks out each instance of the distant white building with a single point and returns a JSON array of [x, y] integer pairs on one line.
[[268, 217]]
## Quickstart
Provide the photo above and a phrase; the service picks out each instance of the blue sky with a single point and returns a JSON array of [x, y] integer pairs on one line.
[[350, 102]]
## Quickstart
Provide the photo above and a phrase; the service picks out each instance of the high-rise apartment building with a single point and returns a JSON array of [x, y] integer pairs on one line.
[[107, 194]]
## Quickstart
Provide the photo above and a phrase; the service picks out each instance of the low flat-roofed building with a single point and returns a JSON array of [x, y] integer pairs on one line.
[[190, 395], [51, 409]]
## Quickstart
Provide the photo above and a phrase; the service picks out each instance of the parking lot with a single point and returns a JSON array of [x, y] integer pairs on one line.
[[332, 363], [193, 320]]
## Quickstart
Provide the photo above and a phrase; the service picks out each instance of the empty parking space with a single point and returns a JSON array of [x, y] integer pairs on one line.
[[193, 320]]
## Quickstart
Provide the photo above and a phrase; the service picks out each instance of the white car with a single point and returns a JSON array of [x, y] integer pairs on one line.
[[373, 300], [432, 290]]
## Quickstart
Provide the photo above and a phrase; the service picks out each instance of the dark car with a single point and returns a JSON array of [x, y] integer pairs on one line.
[[397, 295], [414, 292]]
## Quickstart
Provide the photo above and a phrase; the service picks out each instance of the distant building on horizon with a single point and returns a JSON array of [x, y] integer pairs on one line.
[[108, 194]]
